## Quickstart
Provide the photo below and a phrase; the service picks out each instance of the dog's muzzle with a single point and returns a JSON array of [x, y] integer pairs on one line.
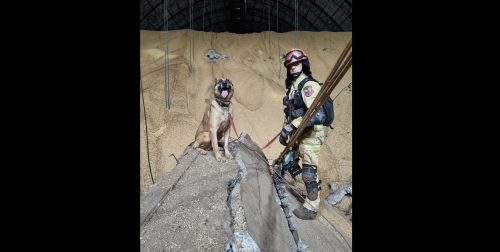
[[225, 85], [224, 88]]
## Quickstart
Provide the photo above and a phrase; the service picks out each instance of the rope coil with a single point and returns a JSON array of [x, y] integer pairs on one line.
[[343, 64]]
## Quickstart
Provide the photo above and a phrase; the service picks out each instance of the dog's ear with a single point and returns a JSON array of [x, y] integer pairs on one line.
[[215, 81]]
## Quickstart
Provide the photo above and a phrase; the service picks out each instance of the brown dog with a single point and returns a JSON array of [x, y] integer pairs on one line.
[[216, 124]]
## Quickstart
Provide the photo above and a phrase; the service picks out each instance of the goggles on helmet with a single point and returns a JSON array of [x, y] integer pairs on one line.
[[296, 54]]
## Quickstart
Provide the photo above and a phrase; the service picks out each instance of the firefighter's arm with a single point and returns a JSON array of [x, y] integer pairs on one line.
[[296, 122], [309, 92]]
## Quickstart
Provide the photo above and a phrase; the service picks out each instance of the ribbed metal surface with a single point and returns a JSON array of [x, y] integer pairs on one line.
[[246, 16]]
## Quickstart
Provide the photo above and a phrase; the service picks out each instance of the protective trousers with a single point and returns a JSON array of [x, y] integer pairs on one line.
[[309, 149]]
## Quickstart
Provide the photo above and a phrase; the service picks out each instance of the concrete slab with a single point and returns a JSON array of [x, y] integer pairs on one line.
[[186, 210], [266, 221], [203, 204], [315, 235]]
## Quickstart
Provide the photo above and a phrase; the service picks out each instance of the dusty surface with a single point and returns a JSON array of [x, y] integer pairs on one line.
[[330, 231], [186, 209], [258, 75], [203, 204], [266, 222]]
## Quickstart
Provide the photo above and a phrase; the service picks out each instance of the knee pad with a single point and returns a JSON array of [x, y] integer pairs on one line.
[[309, 176], [308, 173], [312, 189]]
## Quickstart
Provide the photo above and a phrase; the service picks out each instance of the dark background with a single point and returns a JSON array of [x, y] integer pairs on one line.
[[71, 140]]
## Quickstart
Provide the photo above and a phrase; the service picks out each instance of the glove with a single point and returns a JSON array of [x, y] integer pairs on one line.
[[285, 132]]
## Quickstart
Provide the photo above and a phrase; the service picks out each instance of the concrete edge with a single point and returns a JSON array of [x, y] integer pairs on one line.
[[240, 240], [158, 191]]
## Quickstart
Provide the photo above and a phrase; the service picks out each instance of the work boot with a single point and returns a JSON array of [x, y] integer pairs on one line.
[[304, 213], [312, 189]]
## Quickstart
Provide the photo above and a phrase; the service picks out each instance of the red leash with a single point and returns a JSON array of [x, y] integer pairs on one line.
[[232, 123], [270, 142], [235, 132]]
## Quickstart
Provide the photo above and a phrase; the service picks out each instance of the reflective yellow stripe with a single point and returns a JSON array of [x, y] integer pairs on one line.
[[312, 147], [318, 126]]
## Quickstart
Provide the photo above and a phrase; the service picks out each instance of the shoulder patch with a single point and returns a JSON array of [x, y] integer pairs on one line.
[[308, 91]]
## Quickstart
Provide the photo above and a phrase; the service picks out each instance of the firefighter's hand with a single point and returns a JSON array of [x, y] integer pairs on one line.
[[285, 132]]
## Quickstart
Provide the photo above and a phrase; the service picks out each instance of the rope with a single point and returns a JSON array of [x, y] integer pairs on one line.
[[277, 16], [343, 89], [203, 22], [296, 22], [167, 79], [192, 30], [279, 72], [258, 156], [235, 132], [146, 124], [333, 74], [269, 16], [211, 23], [190, 34], [331, 82], [269, 22], [277, 35], [277, 173]]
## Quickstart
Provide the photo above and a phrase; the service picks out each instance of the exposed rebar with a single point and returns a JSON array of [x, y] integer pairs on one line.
[[167, 79], [146, 125]]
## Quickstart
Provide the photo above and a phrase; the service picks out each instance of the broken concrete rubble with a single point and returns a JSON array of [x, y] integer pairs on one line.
[[213, 55], [203, 204], [338, 193]]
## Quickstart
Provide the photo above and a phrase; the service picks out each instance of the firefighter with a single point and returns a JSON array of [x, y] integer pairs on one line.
[[301, 92]]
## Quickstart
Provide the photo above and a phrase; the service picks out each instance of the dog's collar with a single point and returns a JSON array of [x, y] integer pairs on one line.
[[223, 103]]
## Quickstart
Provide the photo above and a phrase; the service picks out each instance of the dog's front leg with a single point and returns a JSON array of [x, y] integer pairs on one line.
[[227, 154], [213, 134]]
